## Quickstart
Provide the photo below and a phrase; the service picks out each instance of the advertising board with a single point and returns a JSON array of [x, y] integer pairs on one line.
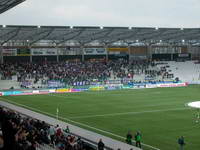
[[95, 51], [9, 52], [172, 85], [23, 52], [44, 51]]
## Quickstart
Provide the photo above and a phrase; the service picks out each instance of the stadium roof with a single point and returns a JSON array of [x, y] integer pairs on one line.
[[8, 4], [81, 35]]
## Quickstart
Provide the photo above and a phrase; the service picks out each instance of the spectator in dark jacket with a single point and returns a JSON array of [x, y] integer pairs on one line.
[[101, 145]]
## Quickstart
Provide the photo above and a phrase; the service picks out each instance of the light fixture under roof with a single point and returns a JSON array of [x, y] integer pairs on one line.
[[4, 26]]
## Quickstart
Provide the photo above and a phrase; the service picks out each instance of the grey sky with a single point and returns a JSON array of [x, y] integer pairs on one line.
[[130, 13]]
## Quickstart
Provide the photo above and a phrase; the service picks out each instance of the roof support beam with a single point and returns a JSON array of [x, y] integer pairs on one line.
[[42, 37], [8, 4], [107, 32], [12, 36], [70, 38]]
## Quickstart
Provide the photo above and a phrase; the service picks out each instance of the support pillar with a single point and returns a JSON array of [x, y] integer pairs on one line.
[[31, 55], [107, 53], [82, 52], [189, 47], [149, 49], [171, 47], [1, 55], [31, 58], [129, 53], [57, 56]]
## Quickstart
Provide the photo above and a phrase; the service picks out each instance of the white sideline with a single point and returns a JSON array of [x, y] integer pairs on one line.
[[78, 123], [128, 113]]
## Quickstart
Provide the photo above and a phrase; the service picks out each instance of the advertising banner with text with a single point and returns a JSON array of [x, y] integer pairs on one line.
[[9, 52], [44, 51], [118, 49], [95, 51], [23, 52]]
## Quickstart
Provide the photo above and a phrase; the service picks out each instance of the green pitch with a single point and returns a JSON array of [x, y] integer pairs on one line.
[[160, 114]]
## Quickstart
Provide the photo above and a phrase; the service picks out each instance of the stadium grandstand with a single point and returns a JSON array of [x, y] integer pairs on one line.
[[98, 88], [133, 49], [47, 59]]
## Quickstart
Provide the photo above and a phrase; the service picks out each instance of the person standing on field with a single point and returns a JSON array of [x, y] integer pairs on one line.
[[138, 139], [129, 138], [181, 142]]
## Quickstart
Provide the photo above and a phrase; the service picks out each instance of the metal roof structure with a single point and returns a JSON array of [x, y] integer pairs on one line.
[[96, 36], [8, 4]]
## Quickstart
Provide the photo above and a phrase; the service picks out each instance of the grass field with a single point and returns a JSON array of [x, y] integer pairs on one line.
[[160, 114]]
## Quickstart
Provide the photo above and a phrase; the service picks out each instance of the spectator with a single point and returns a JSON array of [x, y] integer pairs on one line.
[[67, 129], [79, 73], [1, 143], [58, 131], [22, 133], [100, 145], [52, 134]]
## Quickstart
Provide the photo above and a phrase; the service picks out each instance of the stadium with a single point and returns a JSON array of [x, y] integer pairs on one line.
[[98, 87]]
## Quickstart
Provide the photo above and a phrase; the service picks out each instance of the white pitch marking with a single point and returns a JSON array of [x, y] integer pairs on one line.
[[63, 96], [133, 107], [78, 123], [127, 113]]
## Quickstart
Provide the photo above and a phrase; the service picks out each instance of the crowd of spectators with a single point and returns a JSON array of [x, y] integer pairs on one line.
[[84, 72], [23, 133], [20, 132]]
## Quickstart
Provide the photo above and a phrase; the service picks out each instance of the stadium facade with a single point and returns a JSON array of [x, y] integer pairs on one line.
[[36, 43]]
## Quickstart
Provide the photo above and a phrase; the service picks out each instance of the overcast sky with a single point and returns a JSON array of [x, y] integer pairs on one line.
[[129, 13]]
